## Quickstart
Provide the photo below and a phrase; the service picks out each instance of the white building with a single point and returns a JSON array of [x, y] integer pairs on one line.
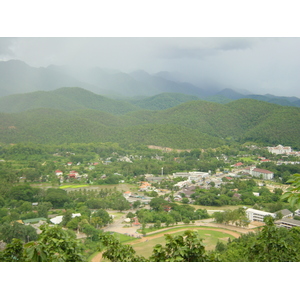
[[258, 215], [256, 172], [280, 149], [58, 219], [297, 212]]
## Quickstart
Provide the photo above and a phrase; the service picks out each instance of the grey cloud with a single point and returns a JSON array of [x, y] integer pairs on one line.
[[6, 45], [261, 65]]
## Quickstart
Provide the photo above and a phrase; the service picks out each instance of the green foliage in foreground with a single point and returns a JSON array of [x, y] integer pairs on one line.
[[293, 192]]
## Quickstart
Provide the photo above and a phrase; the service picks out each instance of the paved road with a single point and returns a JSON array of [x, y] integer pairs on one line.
[[118, 226]]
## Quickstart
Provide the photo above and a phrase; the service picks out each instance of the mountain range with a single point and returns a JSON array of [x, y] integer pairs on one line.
[[48, 105], [17, 78], [75, 115]]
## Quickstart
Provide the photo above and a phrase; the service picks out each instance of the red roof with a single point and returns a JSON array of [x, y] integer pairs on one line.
[[238, 164], [262, 171]]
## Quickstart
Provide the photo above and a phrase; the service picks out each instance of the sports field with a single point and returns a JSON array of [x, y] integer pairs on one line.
[[210, 238]]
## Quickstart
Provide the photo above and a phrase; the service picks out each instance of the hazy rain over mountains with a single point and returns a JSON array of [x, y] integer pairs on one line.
[[246, 65]]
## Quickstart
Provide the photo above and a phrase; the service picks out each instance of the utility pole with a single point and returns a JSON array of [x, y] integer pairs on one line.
[[162, 171]]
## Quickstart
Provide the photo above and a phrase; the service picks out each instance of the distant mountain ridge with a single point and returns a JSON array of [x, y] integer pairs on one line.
[[66, 99], [17, 77]]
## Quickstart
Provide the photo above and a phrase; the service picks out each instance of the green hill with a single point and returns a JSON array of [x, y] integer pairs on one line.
[[67, 99], [194, 124], [164, 101]]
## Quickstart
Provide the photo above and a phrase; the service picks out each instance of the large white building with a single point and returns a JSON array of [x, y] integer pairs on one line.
[[280, 149], [258, 215], [256, 172]]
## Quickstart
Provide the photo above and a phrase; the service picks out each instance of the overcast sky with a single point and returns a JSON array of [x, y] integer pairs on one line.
[[260, 65]]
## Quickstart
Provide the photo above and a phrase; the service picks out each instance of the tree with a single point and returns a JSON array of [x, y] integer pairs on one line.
[[23, 192], [43, 209], [57, 197], [13, 252], [136, 204], [130, 215], [271, 245], [19, 231], [157, 224], [117, 252], [121, 204], [182, 248], [54, 245], [67, 217], [292, 194], [102, 216]]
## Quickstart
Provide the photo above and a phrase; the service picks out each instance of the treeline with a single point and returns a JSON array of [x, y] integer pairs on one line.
[[163, 211]]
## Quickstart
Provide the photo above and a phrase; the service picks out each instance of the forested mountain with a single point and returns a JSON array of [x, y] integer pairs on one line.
[[164, 101], [284, 101], [66, 99], [192, 124]]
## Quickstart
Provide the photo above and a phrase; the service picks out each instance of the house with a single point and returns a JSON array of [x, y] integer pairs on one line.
[[127, 194], [188, 191], [256, 172], [258, 215], [74, 174], [239, 164], [145, 186], [58, 173]]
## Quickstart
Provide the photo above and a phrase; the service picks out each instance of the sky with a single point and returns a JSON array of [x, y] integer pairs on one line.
[[259, 65]]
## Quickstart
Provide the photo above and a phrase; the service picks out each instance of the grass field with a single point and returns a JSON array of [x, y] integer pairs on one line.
[[210, 238], [73, 186]]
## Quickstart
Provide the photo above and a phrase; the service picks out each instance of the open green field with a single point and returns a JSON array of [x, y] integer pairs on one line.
[[252, 159], [78, 186], [210, 238]]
